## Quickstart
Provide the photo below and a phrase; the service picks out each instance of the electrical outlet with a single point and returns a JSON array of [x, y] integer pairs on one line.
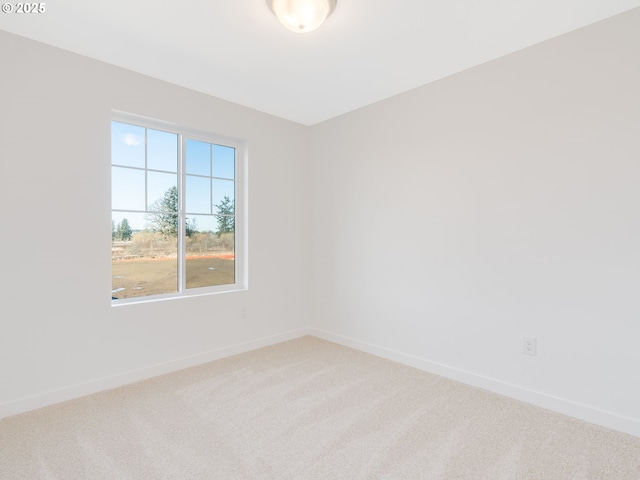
[[530, 346], [243, 313]]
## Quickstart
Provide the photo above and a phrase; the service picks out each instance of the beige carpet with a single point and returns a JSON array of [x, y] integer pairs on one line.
[[307, 409]]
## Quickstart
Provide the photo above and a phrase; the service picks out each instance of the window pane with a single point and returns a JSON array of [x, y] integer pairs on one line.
[[127, 145], [223, 196], [127, 189], [224, 161], [135, 221], [162, 150], [210, 258], [163, 191], [198, 195], [198, 158], [142, 263]]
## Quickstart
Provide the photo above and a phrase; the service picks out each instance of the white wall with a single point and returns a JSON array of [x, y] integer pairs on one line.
[[58, 330], [498, 203]]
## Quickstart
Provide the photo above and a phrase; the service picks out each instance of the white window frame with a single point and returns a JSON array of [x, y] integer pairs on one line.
[[240, 223]]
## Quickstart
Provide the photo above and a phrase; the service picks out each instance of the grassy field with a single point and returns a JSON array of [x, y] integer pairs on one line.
[[137, 278], [146, 264]]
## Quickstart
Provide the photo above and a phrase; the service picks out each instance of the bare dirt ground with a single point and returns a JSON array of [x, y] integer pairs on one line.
[[143, 277]]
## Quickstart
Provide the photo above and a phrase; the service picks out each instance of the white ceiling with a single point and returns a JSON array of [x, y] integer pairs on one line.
[[367, 50]]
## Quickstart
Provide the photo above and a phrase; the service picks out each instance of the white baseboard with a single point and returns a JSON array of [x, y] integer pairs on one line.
[[566, 407], [559, 405], [52, 397]]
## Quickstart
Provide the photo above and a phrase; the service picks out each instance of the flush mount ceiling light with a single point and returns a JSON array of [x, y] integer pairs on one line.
[[302, 16]]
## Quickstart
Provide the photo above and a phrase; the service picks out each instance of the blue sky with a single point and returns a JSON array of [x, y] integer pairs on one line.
[[209, 173]]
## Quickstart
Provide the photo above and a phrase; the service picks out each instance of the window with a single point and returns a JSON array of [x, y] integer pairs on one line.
[[176, 223]]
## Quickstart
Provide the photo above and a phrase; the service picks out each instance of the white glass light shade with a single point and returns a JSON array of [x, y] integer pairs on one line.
[[302, 16]]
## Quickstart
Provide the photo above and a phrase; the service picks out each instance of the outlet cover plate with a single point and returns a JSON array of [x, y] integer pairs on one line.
[[530, 346]]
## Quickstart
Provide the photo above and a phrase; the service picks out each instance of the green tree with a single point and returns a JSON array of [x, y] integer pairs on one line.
[[226, 216], [190, 227], [124, 231], [164, 216]]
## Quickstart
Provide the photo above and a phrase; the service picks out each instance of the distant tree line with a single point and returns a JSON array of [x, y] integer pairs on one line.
[[122, 231], [163, 218]]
